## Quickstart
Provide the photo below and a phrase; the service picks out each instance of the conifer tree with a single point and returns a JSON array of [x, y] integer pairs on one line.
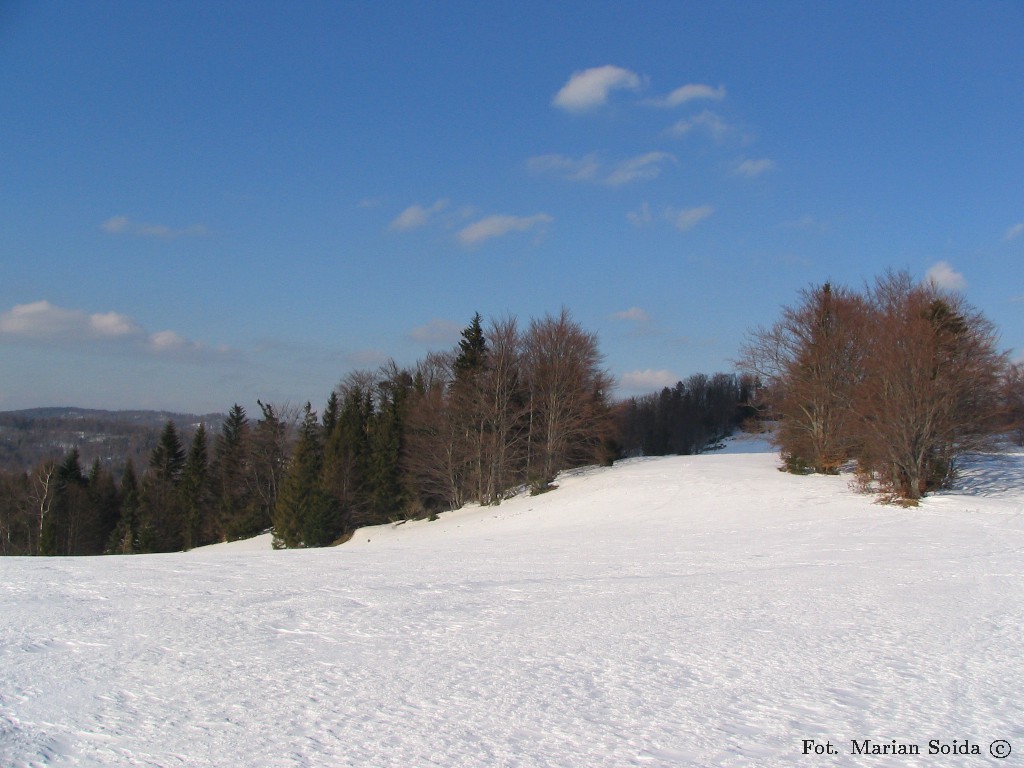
[[124, 539], [472, 349], [195, 493], [230, 476], [104, 510], [59, 535], [303, 513], [161, 521], [331, 413], [347, 452]]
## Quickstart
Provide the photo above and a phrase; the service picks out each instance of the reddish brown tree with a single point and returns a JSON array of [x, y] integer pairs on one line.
[[570, 418], [931, 386], [810, 362]]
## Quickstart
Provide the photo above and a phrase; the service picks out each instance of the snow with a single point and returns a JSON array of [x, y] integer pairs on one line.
[[681, 611]]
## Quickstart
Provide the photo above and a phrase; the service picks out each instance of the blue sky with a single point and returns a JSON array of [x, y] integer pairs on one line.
[[203, 203]]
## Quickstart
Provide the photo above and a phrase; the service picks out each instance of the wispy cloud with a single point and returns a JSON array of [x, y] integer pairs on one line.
[[590, 88], [498, 225], [641, 217], [46, 323], [573, 169], [690, 92], [437, 331], [122, 225], [942, 275], [687, 218], [642, 168], [753, 168], [633, 315], [416, 216], [682, 219], [1014, 232], [647, 380], [707, 121], [590, 169]]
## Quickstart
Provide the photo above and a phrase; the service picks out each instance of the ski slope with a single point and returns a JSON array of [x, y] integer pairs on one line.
[[681, 611]]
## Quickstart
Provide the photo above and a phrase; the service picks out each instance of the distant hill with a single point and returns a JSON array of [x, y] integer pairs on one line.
[[29, 436]]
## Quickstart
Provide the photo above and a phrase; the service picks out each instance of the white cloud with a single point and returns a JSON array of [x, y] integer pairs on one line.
[[416, 216], [496, 226], [583, 169], [707, 121], [437, 331], [690, 92], [642, 168], [169, 341], [753, 168], [113, 325], [1014, 232], [647, 380], [942, 275], [122, 225], [590, 88], [688, 218], [633, 314], [43, 322]]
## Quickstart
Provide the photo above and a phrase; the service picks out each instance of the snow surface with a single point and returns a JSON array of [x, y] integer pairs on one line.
[[683, 611]]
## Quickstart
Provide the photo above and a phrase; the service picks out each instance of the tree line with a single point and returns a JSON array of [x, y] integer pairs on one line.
[[505, 410], [900, 380]]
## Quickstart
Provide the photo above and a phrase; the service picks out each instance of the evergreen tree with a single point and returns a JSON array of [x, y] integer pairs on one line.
[[195, 493], [331, 413], [161, 520], [168, 458], [387, 499], [59, 534], [104, 510], [303, 515], [124, 539], [472, 349], [233, 498], [346, 469]]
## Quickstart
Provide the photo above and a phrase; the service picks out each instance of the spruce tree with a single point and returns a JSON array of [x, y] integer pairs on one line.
[[161, 519], [195, 493], [231, 490], [472, 349], [303, 513], [346, 469], [104, 510], [124, 539]]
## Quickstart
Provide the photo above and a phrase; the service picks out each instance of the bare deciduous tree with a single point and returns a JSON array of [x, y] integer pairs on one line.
[[930, 391], [568, 397], [810, 361]]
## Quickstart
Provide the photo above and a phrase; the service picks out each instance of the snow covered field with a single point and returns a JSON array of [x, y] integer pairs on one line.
[[690, 611]]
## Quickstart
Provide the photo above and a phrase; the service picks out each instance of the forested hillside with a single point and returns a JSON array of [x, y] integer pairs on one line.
[[30, 436], [505, 410]]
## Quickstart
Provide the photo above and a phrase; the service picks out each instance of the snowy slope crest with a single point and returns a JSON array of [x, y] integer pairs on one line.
[[682, 611]]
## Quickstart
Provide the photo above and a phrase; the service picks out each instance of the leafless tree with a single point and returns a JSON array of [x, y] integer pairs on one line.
[[43, 487], [811, 361], [436, 455], [931, 386], [568, 390], [1013, 401]]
